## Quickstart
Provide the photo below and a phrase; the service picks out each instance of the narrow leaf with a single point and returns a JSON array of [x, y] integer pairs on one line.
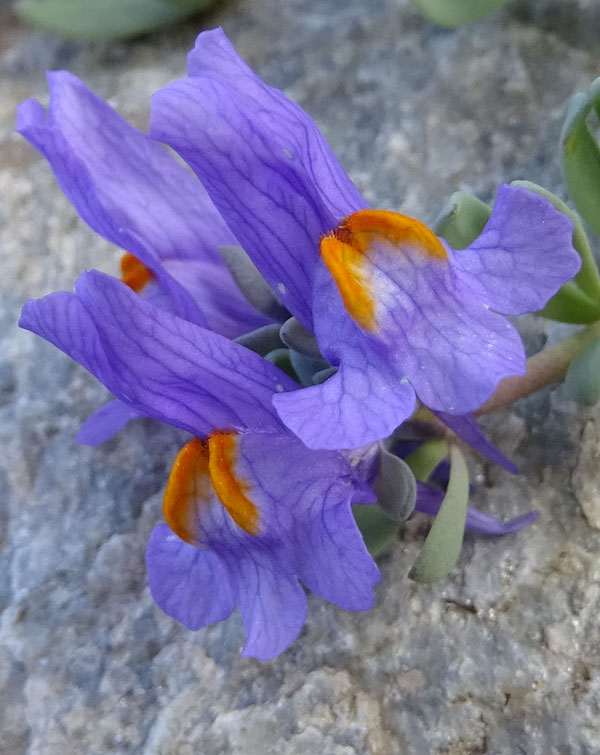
[[108, 19], [570, 304], [323, 375], [442, 546], [457, 12], [296, 336], [581, 155], [425, 459], [281, 358], [262, 340], [307, 367], [462, 220], [377, 529]]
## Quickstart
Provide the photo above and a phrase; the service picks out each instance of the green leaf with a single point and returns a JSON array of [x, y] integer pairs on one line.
[[583, 376], [462, 219], [107, 19], [262, 340], [588, 278], [295, 336], [425, 459], [457, 12], [581, 155], [281, 358], [395, 486], [571, 305], [377, 529], [442, 546]]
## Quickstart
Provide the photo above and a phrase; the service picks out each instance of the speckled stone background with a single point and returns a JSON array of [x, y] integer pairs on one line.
[[504, 656]]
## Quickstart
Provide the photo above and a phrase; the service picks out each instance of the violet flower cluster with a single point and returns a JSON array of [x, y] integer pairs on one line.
[[367, 310]]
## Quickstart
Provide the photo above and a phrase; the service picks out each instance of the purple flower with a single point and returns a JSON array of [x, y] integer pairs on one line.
[[251, 510], [393, 306], [135, 194]]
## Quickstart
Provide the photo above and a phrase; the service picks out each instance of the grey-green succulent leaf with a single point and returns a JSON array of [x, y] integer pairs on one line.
[[297, 337], [262, 340], [457, 12], [105, 19], [307, 367], [443, 544], [395, 486], [462, 219], [425, 459], [281, 358], [323, 375]]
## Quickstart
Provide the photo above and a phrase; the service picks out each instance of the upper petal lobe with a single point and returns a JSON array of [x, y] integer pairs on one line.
[[523, 255], [156, 363], [263, 162], [131, 191]]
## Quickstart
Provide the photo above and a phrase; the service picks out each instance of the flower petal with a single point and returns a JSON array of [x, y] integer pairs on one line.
[[105, 422], [263, 162], [523, 256], [189, 584], [274, 513], [355, 406], [210, 284], [272, 604], [320, 538], [127, 187], [466, 427], [429, 500], [158, 364], [394, 302], [485, 524], [334, 563]]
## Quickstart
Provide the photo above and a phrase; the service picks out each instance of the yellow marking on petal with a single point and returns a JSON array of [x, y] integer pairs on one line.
[[188, 486], [230, 489], [134, 273], [346, 267], [345, 251]]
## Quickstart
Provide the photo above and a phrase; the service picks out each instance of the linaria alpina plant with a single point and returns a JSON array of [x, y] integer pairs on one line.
[[300, 336]]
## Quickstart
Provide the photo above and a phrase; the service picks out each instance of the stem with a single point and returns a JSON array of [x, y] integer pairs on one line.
[[544, 368]]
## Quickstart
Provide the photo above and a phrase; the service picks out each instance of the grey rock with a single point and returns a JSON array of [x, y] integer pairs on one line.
[[503, 657]]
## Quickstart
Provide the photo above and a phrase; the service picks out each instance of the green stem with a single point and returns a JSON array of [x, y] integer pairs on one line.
[[545, 368]]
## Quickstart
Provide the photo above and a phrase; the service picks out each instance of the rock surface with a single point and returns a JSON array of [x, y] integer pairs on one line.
[[503, 657]]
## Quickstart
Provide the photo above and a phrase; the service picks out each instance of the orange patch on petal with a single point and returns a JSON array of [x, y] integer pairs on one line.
[[345, 251], [202, 469], [134, 273], [365, 227], [230, 489], [346, 266], [188, 486]]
